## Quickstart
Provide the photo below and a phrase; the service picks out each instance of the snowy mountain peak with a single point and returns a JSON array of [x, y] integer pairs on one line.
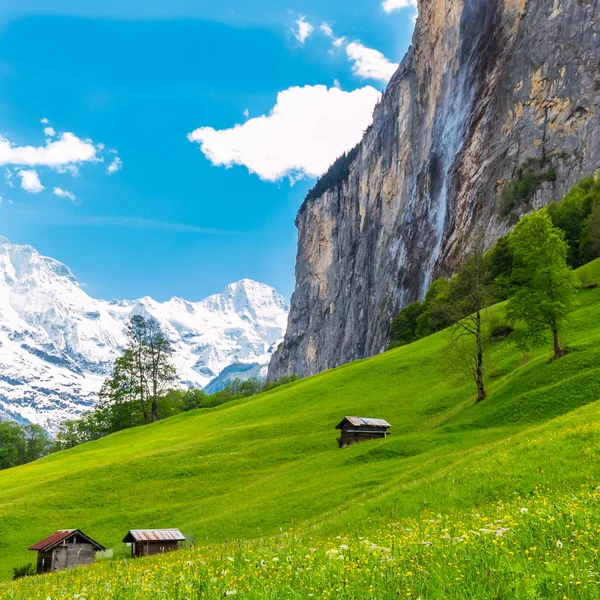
[[57, 344], [24, 264]]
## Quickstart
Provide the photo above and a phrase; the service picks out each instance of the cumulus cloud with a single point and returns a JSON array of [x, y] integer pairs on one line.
[[307, 129], [64, 194], [30, 181], [49, 131], [304, 29], [392, 5], [115, 166], [368, 63], [67, 150], [44, 121]]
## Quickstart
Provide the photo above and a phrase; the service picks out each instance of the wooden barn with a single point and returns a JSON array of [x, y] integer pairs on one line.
[[359, 429], [147, 542], [65, 549]]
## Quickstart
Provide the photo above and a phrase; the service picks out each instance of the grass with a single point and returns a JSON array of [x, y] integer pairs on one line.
[[263, 478]]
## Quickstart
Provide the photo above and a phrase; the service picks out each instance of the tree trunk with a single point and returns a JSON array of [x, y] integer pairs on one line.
[[480, 388], [557, 348], [154, 410]]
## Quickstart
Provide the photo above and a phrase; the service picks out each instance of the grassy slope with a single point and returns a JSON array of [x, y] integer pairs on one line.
[[252, 467]]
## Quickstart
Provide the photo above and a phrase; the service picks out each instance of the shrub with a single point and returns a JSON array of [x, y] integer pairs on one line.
[[532, 174], [26, 570]]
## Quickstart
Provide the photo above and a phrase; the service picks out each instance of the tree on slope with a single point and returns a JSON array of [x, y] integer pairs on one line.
[[471, 293], [546, 285], [142, 375]]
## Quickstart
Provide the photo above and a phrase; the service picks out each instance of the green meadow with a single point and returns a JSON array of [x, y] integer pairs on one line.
[[263, 478]]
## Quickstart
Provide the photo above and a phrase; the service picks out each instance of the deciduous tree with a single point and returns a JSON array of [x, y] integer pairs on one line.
[[546, 285]]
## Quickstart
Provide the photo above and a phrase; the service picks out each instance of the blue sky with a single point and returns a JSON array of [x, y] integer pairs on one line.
[[139, 180]]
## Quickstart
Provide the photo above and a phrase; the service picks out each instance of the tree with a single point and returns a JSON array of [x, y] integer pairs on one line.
[[403, 329], [37, 442], [142, 375], [470, 294], [590, 237], [12, 445], [501, 260], [435, 314], [572, 216], [161, 373], [546, 284]]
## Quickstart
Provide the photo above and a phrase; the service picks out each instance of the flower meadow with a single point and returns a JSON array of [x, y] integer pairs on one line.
[[543, 545]]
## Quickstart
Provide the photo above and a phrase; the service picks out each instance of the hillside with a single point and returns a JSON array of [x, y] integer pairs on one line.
[[270, 463]]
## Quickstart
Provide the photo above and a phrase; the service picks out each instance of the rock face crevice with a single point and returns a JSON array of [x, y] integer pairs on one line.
[[487, 86]]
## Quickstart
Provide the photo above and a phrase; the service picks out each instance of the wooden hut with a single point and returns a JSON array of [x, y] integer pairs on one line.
[[359, 429], [65, 549], [147, 542]]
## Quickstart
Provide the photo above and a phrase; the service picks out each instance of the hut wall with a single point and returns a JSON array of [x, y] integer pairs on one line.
[[348, 438], [70, 556], [152, 548], [44, 562]]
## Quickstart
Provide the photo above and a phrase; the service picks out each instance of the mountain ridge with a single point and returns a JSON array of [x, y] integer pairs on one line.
[[57, 343]]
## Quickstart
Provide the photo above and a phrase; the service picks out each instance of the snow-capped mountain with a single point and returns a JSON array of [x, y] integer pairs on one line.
[[57, 344]]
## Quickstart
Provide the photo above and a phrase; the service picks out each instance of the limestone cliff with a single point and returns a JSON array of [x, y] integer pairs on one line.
[[487, 87]]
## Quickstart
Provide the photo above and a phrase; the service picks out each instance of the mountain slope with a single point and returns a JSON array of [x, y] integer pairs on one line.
[[489, 89], [249, 468], [57, 343]]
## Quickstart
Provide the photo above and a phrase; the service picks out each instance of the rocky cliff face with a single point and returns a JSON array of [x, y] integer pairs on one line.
[[488, 87]]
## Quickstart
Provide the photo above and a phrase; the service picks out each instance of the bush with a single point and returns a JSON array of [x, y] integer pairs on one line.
[[531, 176], [500, 332], [403, 329], [23, 571]]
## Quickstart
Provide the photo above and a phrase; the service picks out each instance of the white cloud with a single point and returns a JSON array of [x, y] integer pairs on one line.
[[64, 194], [392, 5], [44, 121], [246, 114], [369, 63], [328, 31], [304, 29], [30, 181], [115, 166], [49, 131], [307, 129], [67, 150]]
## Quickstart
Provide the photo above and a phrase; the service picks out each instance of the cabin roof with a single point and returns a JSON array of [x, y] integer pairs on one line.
[[154, 535], [58, 537], [362, 422]]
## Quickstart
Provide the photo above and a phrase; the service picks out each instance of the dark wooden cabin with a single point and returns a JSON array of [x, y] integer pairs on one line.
[[148, 542], [359, 429], [65, 549]]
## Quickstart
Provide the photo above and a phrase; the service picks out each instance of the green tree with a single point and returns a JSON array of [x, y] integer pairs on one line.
[[12, 445], [546, 284], [590, 236], [36, 441], [572, 216], [470, 294], [501, 261], [403, 329], [143, 374], [435, 315]]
